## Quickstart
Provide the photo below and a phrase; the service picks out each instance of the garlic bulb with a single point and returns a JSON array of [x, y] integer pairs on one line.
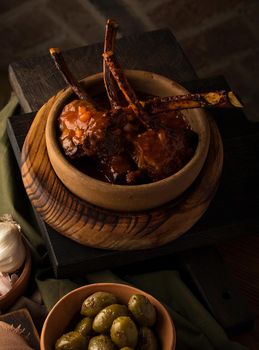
[[12, 249]]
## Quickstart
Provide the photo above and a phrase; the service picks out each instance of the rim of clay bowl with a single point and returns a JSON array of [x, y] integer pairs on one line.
[[202, 147]]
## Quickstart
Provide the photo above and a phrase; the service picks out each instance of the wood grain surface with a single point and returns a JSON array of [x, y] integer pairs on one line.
[[241, 255], [96, 227]]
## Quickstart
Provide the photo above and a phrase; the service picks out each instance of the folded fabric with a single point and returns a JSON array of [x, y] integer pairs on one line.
[[11, 338], [195, 327], [52, 289], [13, 199]]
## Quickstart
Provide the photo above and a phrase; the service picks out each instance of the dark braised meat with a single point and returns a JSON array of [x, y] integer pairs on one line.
[[85, 132], [127, 152], [103, 135], [162, 153], [95, 132], [134, 141]]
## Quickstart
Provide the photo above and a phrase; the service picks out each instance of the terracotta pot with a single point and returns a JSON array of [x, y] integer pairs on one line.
[[123, 197], [59, 318]]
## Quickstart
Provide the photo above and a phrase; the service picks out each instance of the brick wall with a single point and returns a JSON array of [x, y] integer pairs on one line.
[[219, 36]]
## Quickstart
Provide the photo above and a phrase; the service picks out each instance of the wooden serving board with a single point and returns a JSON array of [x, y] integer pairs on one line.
[[99, 228]]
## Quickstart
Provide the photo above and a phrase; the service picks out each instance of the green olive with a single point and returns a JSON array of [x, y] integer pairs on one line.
[[96, 302], [124, 332], [101, 342], [103, 320], [71, 341], [84, 326], [143, 311], [146, 339]]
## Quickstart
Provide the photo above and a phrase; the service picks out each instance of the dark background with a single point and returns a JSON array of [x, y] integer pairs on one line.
[[218, 36]]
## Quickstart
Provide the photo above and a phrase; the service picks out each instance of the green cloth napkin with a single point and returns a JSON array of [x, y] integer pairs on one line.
[[13, 199], [196, 329]]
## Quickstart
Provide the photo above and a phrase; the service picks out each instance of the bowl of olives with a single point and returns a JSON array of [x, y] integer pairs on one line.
[[108, 316]]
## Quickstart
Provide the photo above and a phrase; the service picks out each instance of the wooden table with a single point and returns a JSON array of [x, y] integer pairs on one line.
[[35, 80]]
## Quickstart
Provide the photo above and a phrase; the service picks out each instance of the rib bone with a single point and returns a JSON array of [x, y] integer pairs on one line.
[[68, 77], [122, 82], [216, 99], [111, 86]]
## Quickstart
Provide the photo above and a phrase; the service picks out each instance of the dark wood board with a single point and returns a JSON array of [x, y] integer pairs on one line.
[[226, 217], [222, 299], [22, 318]]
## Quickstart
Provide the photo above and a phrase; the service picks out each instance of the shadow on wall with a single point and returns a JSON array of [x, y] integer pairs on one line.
[[219, 38]]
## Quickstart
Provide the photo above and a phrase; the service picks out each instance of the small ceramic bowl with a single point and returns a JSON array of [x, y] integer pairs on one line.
[[59, 318], [20, 285], [123, 197]]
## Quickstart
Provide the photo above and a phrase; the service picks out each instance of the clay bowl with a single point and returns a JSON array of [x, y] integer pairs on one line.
[[59, 319], [20, 285], [123, 197]]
